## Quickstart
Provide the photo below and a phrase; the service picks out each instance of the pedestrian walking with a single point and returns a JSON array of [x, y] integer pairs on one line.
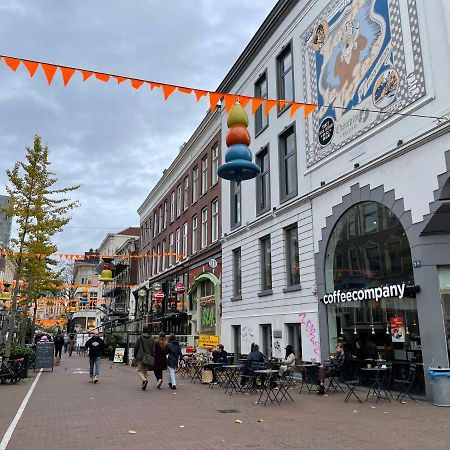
[[95, 345], [174, 356], [160, 358], [144, 354], [59, 342], [71, 344], [66, 342]]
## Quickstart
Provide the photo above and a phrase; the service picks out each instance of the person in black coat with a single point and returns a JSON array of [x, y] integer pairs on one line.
[[59, 343], [144, 349], [173, 357]]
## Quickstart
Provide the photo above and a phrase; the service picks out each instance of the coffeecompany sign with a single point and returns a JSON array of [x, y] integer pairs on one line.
[[374, 293]]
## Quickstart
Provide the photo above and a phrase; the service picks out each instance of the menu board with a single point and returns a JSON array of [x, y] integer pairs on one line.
[[397, 329], [45, 352]]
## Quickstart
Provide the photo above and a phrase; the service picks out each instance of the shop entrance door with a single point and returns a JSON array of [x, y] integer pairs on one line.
[[294, 338]]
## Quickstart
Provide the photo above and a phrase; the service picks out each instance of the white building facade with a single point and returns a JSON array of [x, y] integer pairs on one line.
[[359, 189]]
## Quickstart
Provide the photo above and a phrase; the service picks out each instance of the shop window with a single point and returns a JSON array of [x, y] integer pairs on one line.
[[294, 338], [206, 289]]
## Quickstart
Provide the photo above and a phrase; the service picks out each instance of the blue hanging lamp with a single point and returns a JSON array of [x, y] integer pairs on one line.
[[238, 158]]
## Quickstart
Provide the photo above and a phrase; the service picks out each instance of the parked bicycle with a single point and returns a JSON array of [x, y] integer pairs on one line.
[[11, 371]]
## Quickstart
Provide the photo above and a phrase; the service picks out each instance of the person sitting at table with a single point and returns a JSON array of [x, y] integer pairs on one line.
[[330, 367], [255, 355], [288, 361], [220, 355]]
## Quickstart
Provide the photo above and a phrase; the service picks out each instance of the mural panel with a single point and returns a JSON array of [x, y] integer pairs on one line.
[[362, 61]]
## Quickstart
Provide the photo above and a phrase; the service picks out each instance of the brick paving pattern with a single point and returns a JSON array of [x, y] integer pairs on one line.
[[65, 411]]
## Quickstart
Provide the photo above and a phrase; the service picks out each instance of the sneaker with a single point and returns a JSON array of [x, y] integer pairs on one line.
[[91, 380], [170, 385], [321, 390], [96, 379], [158, 386], [144, 385], [173, 387]]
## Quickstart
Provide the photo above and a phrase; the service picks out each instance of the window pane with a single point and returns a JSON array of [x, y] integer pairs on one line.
[[266, 264], [194, 234], [288, 86], [237, 287], [215, 164], [195, 185], [261, 120]]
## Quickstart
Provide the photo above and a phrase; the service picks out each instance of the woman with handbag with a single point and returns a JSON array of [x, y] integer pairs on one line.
[[160, 358], [144, 355]]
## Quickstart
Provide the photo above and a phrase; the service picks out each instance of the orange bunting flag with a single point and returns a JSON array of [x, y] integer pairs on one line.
[[12, 63], [154, 85], [308, 109], [49, 70], [102, 77], [67, 74], [184, 90], [86, 74], [295, 107], [229, 100], [31, 66], [269, 105], [256, 103], [244, 101], [199, 94], [136, 83], [120, 79], [168, 90], [282, 103], [214, 98]]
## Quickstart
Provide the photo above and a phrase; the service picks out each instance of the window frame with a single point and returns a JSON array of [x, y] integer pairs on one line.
[[204, 176], [165, 215], [289, 257], [215, 220], [215, 162], [282, 137], [265, 285], [186, 193], [195, 234], [177, 244], [237, 272], [258, 191], [172, 206], [185, 240], [287, 48], [235, 222], [179, 200], [171, 249], [195, 191], [260, 110], [204, 229]]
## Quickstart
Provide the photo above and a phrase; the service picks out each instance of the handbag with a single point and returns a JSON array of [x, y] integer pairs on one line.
[[148, 359], [207, 376]]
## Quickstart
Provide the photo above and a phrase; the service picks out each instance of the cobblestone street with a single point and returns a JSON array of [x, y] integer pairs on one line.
[[66, 411]]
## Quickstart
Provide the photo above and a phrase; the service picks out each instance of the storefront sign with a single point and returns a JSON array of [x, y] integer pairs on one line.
[[207, 341], [159, 295], [212, 263], [180, 288], [374, 293], [397, 329], [118, 355]]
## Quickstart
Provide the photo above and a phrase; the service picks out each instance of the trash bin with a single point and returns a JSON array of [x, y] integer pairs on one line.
[[440, 378]]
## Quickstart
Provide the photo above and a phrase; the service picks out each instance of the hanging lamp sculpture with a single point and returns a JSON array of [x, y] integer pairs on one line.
[[106, 275], [238, 164]]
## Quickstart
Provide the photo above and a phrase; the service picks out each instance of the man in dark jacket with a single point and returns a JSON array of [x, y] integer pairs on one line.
[[174, 355], [144, 354], [59, 342], [220, 356], [95, 345]]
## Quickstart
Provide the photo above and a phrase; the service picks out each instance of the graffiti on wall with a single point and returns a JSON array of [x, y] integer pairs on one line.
[[360, 62], [311, 347]]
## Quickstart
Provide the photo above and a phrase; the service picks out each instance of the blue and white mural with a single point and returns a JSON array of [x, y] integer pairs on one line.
[[356, 70]]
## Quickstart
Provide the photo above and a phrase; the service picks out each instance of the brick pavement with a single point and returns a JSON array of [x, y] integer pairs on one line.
[[65, 411]]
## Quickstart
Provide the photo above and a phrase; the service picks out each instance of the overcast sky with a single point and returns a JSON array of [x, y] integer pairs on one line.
[[113, 140]]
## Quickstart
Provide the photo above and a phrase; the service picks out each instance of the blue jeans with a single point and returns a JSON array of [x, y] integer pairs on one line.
[[94, 365], [172, 376]]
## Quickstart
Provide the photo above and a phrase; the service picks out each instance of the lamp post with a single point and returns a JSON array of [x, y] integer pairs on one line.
[[143, 303]]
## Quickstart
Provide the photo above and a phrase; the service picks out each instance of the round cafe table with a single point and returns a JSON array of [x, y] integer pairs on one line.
[[377, 387]]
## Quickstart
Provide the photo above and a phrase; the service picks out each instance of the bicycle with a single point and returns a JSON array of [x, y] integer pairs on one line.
[[11, 371]]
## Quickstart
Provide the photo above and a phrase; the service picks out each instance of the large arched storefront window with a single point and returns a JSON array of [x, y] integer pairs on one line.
[[368, 274]]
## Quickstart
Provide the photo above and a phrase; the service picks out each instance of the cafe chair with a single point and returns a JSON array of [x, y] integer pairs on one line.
[[406, 385], [333, 380], [248, 377], [284, 383]]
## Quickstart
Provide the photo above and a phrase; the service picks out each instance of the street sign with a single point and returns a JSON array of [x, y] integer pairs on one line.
[[156, 287], [212, 263], [208, 341], [417, 264], [159, 295], [180, 288]]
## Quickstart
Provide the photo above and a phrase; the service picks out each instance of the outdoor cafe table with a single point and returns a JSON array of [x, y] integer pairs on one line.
[[268, 385], [377, 387], [307, 375], [196, 368], [232, 372], [213, 366]]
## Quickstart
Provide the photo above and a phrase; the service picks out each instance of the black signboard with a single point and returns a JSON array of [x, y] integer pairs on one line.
[[45, 351], [326, 131]]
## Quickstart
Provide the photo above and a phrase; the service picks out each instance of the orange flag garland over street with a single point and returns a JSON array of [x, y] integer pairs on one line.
[[168, 89]]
